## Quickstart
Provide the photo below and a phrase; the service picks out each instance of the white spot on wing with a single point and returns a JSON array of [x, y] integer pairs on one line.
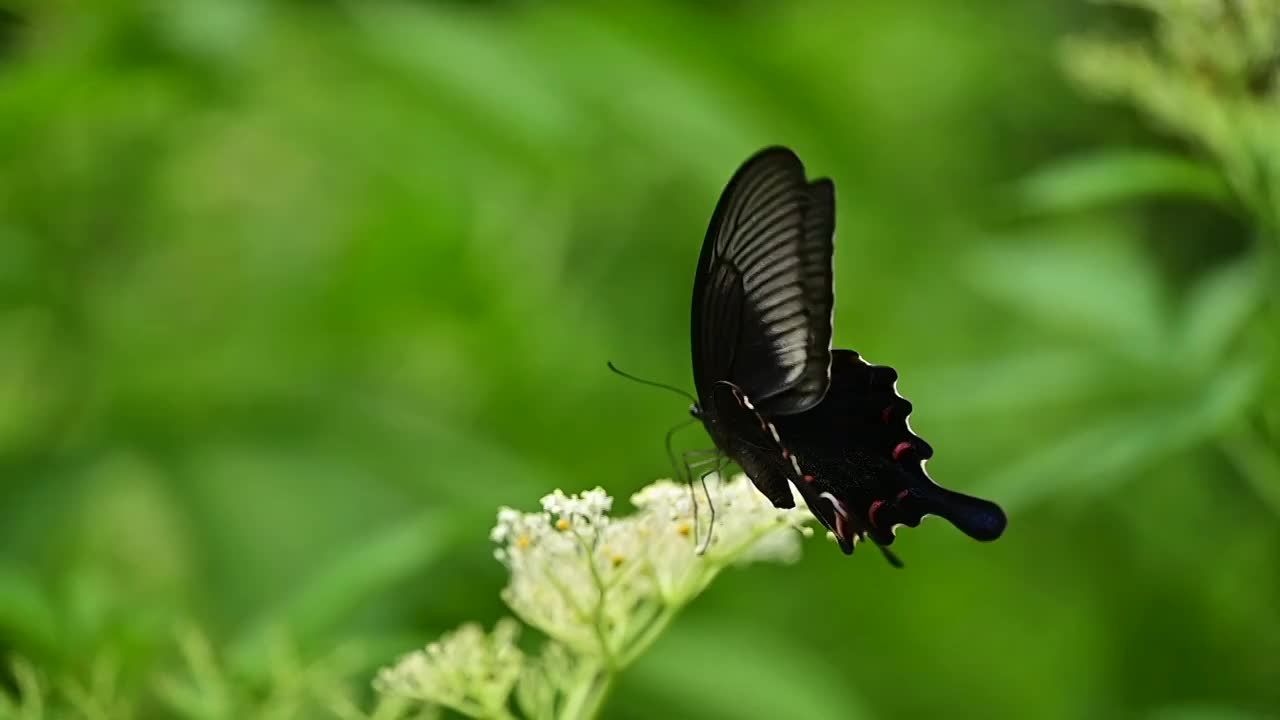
[[774, 432], [839, 506]]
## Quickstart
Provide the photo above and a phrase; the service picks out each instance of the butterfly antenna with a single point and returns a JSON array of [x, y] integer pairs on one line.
[[651, 383]]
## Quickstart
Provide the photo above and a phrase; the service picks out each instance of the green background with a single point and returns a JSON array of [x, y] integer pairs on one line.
[[294, 295]]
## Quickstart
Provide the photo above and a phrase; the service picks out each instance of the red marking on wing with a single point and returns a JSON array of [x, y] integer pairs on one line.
[[871, 512], [884, 414], [808, 478], [786, 454], [901, 448], [903, 495]]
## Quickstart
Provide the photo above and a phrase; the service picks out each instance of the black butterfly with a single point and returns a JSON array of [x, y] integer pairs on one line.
[[774, 396]]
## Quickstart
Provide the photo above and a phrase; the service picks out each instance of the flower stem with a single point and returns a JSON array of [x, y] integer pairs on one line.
[[649, 634], [598, 620], [588, 698]]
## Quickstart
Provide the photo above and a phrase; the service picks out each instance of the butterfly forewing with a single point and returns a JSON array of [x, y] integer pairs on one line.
[[762, 293]]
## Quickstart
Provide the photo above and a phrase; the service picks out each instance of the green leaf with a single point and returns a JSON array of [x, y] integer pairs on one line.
[[1018, 382], [1218, 309], [711, 665], [1202, 712], [1109, 450], [1088, 281], [1112, 177], [345, 582], [30, 692], [26, 615]]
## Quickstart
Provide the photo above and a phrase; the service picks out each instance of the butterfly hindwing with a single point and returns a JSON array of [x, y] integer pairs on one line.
[[868, 464]]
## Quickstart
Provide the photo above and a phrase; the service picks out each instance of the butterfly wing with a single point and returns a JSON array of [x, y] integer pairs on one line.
[[750, 442], [863, 466], [762, 295]]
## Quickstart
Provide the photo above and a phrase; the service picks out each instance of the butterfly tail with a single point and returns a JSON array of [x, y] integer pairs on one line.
[[979, 519]]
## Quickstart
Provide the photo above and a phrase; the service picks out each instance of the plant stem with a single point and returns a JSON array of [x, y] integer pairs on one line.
[[598, 693], [649, 634], [588, 698], [673, 607], [598, 617]]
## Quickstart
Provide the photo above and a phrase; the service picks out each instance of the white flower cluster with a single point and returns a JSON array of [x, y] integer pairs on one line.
[[591, 506], [467, 670], [569, 569], [583, 577], [602, 588]]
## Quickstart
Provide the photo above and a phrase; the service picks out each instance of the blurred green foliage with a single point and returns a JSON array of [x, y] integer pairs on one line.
[[293, 295]]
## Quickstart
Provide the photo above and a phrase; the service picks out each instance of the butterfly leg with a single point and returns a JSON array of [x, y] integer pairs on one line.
[[889, 555], [721, 462], [671, 453], [690, 459], [693, 459], [696, 459]]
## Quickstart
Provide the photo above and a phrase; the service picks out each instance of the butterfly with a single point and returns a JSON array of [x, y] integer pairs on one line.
[[774, 396]]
